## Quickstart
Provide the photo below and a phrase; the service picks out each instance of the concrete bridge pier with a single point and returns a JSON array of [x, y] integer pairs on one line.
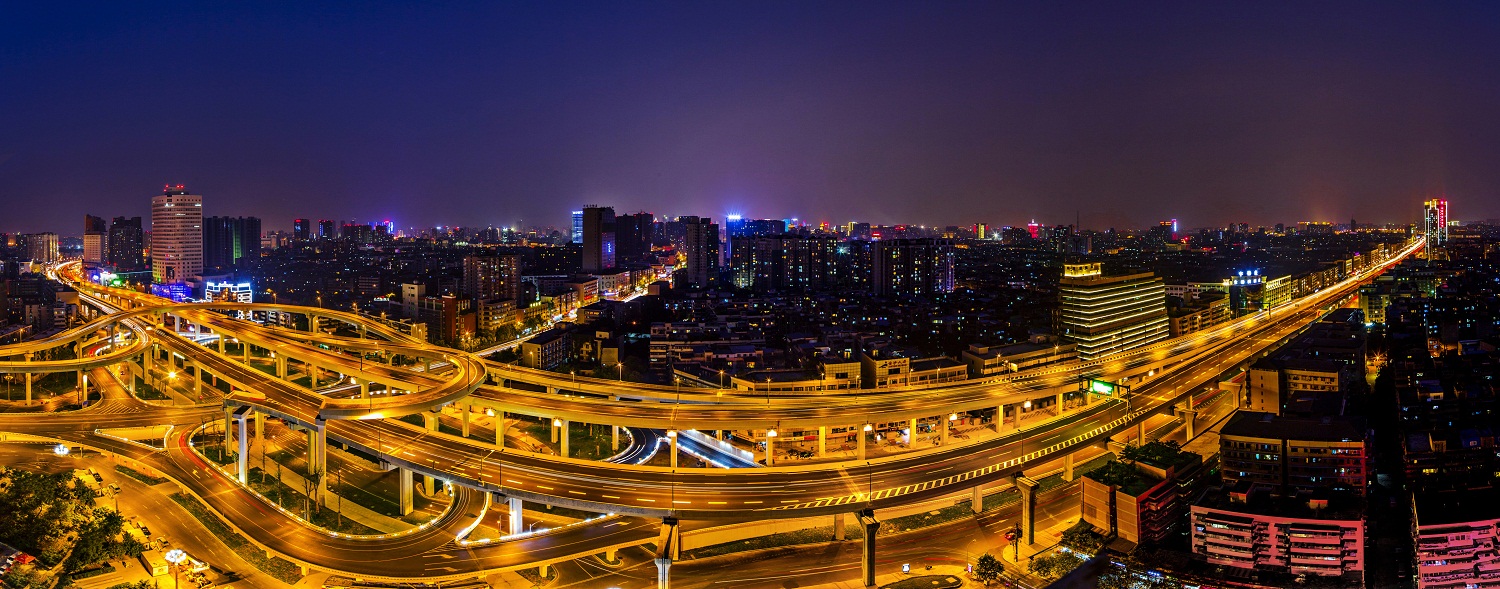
[[1028, 508], [1000, 419], [27, 377], [500, 429], [840, 532], [1189, 416], [1068, 467], [672, 445], [465, 409], [243, 472], [560, 435], [770, 447], [867, 556], [322, 459], [406, 488], [976, 502], [515, 509], [614, 438], [668, 548], [822, 440]]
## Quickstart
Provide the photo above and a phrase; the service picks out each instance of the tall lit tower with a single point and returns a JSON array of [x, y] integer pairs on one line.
[[1108, 314], [1435, 221], [176, 235]]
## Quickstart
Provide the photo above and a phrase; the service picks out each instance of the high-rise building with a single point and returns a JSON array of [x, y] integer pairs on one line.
[[598, 238], [41, 248], [1435, 221], [791, 263], [176, 235], [327, 229], [1108, 314], [701, 247], [492, 276], [577, 234], [301, 229], [911, 267], [95, 240], [127, 245], [227, 240], [633, 234]]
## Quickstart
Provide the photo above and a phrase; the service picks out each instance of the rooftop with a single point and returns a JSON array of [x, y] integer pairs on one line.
[[1256, 424]]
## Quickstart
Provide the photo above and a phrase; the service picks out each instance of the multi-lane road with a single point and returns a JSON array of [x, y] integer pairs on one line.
[[1176, 370]]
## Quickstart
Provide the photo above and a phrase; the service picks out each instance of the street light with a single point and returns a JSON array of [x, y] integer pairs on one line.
[[175, 557]]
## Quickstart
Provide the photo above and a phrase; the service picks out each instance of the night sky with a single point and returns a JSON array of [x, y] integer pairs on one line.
[[921, 112]]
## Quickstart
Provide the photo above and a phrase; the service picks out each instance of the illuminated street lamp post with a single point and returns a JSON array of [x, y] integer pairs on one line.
[[174, 557]]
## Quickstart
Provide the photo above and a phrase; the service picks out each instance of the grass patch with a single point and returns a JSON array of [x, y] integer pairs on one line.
[[140, 476], [277, 568], [146, 392], [284, 495]]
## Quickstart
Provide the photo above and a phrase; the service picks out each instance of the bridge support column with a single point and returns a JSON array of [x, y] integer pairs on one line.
[[197, 380], [822, 440], [244, 450], [500, 429], [406, 501], [312, 377], [562, 438], [611, 557], [1189, 416], [1000, 419], [1059, 403], [281, 367], [672, 445], [840, 531], [322, 437], [770, 448], [466, 409], [911, 436], [614, 438], [668, 549], [861, 434], [976, 502], [1028, 508], [260, 427], [245, 351], [220, 341], [867, 556], [364, 389], [1068, 467], [27, 377], [514, 511], [944, 424]]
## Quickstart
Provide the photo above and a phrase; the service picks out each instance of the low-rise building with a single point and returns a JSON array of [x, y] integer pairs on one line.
[[1141, 501], [992, 360], [546, 351], [1248, 526], [1301, 453], [1458, 533]]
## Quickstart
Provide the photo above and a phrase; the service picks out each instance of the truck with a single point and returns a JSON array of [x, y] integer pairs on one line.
[[155, 563]]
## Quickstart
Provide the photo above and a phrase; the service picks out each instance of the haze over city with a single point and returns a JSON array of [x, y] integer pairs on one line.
[[940, 114]]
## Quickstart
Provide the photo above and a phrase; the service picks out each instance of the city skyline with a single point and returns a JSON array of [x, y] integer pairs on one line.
[[1000, 114]]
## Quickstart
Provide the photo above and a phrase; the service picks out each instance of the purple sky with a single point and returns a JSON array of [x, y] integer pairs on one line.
[[919, 112]]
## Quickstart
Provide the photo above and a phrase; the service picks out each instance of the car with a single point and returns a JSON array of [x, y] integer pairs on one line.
[[145, 531], [114, 487], [95, 474]]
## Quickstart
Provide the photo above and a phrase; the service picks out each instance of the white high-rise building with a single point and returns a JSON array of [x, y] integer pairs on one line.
[[176, 235]]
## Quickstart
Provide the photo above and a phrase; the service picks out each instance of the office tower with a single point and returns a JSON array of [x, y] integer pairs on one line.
[[912, 267], [633, 235], [301, 229], [95, 240], [327, 229], [227, 240], [41, 247], [701, 247], [1108, 314], [577, 234], [598, 238], [127, 245], [176, 235], [492, 276], [1435, 221]]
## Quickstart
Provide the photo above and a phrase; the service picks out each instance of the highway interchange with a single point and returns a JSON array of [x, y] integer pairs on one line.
[[132, 325]]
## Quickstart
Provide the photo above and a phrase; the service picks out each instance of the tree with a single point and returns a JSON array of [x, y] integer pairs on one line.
[[1081, 538], [987, 569], [1055, 565]]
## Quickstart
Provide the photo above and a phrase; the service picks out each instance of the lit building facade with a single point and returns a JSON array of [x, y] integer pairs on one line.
[[492, 276], [598, 239], [701, 248], [1457, 536], [1435, 221], [1108, 314], [176, 236], [1247, 528], [95, 240]]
